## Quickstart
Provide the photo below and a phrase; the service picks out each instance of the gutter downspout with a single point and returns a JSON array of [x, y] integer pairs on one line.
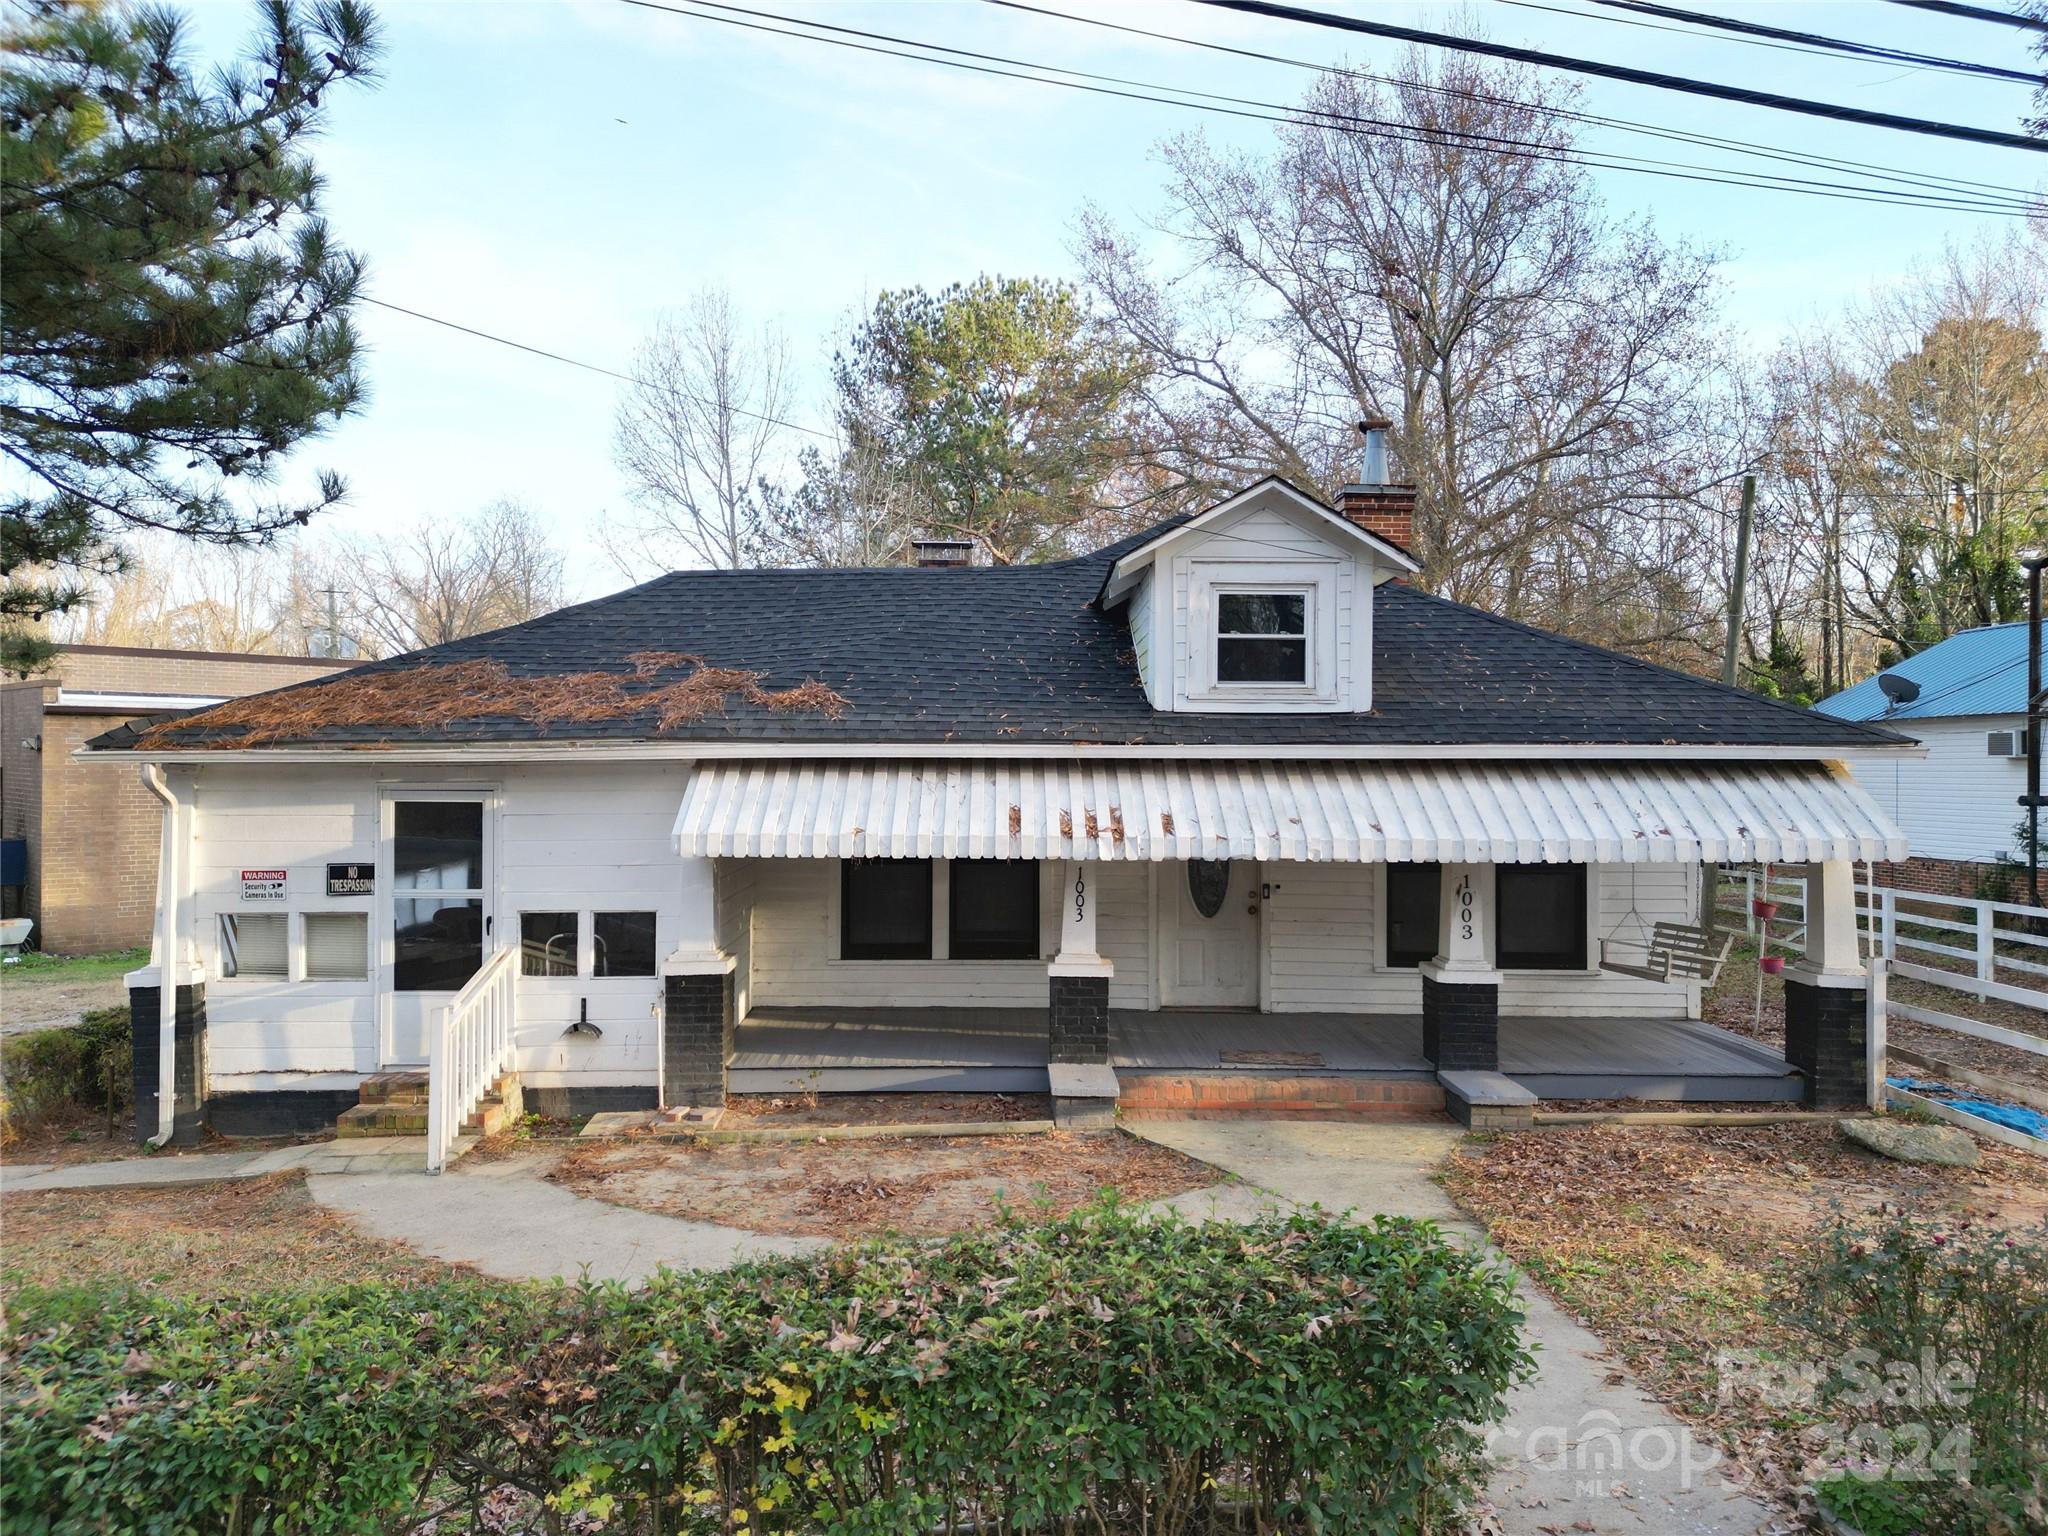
[[168, 969]]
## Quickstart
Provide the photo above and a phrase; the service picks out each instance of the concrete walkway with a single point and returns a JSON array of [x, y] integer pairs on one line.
[[1582, 1443], [506, 1220], [364, 1154]]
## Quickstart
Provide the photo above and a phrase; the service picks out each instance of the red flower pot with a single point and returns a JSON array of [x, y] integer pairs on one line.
[[1764, 909], [1772, 964]]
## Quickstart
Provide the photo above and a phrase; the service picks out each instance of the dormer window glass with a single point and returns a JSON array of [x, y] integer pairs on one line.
[[1262, 637]]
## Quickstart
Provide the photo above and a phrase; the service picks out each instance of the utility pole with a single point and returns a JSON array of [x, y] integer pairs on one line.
[[2037, 706], [1735, 590]]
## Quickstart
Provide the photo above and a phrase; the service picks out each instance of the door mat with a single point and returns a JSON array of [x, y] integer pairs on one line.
[[1272, 1058]]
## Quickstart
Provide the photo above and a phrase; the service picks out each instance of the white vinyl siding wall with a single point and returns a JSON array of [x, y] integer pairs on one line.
[[573, 837], [1957, 802], [795, 953]]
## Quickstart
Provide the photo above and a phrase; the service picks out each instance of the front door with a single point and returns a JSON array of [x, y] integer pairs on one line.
[[1211, 955], [435, 912]]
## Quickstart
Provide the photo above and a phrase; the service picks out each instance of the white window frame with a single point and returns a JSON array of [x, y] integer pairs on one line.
[[1217, 635], [1314, 581], [300, 947], [294, 950]]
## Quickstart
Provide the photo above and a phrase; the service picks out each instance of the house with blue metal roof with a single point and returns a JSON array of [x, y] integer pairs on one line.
[[1965, 701]]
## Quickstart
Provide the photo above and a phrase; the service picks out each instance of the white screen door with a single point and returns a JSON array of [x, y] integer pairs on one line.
[[1211, 957], [435, 912]]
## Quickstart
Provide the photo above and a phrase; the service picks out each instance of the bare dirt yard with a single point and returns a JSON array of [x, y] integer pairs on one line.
[[39, 991], [203, 1240], [1675, 1243], [915, 1185], [884, 1108]]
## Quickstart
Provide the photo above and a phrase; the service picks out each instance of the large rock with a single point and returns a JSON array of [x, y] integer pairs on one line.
[[1911, 1143]]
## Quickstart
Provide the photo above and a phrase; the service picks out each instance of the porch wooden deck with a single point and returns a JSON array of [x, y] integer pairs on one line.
[[1002, 1050]]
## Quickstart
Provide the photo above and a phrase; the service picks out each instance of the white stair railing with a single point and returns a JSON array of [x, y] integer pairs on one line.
[[468, 1051]]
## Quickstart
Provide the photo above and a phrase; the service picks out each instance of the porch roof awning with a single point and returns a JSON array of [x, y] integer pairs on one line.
[[1477, 812]]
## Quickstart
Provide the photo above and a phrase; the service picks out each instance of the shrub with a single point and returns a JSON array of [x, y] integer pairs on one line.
[[82, 1066], [1916, 1295], [1102, 1372]]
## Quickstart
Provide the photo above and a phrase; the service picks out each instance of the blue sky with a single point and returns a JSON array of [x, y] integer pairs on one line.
[[560, 172]]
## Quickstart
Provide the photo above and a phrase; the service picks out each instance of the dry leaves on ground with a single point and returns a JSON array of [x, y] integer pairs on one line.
[[840, 1189], [215, 1239], [1675, 1243]]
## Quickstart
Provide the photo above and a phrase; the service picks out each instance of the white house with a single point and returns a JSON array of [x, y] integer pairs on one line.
[[1225, 808], [1965, 700]]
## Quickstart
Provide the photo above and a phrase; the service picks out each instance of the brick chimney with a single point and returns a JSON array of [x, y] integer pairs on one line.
[[1376, 504], [942, 553]]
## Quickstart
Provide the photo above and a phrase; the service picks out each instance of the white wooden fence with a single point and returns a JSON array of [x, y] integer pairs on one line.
[[1987, 949]]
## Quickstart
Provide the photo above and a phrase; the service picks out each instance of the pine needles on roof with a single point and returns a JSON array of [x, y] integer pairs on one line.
[[466, 693]]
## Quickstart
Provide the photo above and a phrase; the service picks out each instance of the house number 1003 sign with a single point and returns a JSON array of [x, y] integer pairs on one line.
[[1463, 893]]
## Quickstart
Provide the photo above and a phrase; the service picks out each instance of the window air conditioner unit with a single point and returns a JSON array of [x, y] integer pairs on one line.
[[2005, 743]]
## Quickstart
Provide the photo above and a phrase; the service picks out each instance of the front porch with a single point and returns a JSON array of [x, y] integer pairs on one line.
[[1005, 1050]]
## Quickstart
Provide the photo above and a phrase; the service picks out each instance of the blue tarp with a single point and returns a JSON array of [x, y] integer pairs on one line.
[[2014, 1117]]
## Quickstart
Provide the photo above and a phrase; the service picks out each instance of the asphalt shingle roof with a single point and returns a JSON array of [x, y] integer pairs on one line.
[[1022, 654]]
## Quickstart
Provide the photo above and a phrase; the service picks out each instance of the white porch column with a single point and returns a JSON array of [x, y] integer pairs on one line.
[[1077, 954], [1464, 927], [1077, 1013], [696, 998], [1460, 987], [1832, 958], [1827, 1027], [696, 952]]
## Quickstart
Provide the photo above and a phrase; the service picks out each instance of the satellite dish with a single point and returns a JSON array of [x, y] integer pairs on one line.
[[1900, 690]]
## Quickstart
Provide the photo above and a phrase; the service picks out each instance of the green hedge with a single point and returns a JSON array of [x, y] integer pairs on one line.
[[88, 1066], [1103, 1372]]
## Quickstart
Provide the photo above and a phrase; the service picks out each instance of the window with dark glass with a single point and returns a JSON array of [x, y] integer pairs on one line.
[[1413, 892], [437, 906], [993, 909], [1261, 637], [885, 909], [1540, 917], [622, 944], [547, 943]]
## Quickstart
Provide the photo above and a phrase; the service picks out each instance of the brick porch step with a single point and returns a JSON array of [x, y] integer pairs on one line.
[[395, 1104], [394, 1088], [1201, 1095]]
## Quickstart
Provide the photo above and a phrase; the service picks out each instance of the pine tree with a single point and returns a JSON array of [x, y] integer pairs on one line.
[[175, 314]]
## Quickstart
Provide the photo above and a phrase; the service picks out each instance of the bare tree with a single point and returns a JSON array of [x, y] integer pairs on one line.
[[228, 600], [695, 434], [437, 582], [1538, 358]]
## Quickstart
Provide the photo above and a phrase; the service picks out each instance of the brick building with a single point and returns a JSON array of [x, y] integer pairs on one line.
[[92, 831]]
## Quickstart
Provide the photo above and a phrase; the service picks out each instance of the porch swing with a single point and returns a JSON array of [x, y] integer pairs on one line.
[[1667, 951]]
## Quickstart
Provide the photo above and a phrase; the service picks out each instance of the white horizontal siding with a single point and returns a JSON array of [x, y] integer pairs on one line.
[[1323, 946], [586, 837], [1957, 802]]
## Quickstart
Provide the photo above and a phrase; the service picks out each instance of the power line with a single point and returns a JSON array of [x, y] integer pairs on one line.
[[1274, 112], [1682, 83], [577, 362], [1789, 40], [1619, 124], [1978, 13]]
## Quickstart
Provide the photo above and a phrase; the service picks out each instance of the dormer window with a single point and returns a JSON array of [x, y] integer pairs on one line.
[[1262, 637]]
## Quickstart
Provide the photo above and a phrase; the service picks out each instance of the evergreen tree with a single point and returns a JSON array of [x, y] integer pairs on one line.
[[176, 315], [1003, 402]]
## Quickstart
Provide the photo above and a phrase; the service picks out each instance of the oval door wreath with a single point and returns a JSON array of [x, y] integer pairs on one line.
[[1208, 884]]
